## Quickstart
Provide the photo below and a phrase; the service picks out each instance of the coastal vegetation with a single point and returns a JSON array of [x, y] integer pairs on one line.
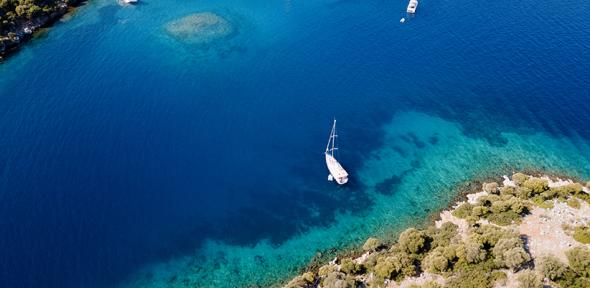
[[491, 240], [20, 18]]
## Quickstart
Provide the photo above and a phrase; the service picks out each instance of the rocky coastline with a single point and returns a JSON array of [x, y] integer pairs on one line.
[[520, 231], [16, 31]]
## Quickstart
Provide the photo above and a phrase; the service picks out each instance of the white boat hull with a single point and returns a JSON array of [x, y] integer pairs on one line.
[[336, 170], [412, 5]]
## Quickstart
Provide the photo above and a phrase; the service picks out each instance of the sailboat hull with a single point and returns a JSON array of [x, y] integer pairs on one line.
[[336, 170]]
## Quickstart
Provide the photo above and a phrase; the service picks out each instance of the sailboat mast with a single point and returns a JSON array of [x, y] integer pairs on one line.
[[333, 137]]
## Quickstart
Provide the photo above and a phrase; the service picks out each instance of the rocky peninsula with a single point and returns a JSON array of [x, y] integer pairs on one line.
[[19, 19], [527, 231]]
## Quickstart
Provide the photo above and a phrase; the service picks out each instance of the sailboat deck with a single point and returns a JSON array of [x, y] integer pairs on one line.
[[336, 170]]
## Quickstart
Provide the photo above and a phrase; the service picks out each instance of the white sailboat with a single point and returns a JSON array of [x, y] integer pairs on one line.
[[337, 173]]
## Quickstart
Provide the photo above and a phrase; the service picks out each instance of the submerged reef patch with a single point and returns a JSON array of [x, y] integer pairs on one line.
[[206, 34], [200, 28]]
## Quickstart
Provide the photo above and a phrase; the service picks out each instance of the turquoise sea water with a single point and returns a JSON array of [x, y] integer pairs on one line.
[[132, 158]]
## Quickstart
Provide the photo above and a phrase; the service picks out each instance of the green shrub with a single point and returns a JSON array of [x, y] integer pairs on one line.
[[348, 266], [407, 264], [387, 267], [338, 280], [583, 197], [489, 235], [308, 276], [574, 188], [435, 263], [471, 252], [507, 190], [371, 244], [488, 200], [523, 193], [572, 280], [472, 276], [518, 205], [579, 260], [551, 268], [450, 251], [490, 187], [297, 282], [582, 234], [443, 235], [412, 241], [463, 210], [504, 218], [541, 203], [499, 277], [398, 264], [516, 257], [472, 219], [510, 253], [505, 244], [550, 194], [529, 279], [438, 260], [536, 185], [431, 284], [500, 206], [301, 281], [375, 282], [479, 211], [501, 210], [519, 178], [326, 269], [371, 261], [567, 190]]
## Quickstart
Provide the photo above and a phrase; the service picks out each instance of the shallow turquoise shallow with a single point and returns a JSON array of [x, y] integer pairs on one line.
[[131, 158], [420, 169]]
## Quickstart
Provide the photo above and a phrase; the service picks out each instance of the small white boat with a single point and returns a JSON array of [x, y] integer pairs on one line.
[[337, 173], [130, 1], [412, 5], [403, 20]]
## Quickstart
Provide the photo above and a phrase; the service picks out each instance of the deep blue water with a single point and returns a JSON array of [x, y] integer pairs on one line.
[[121, 146]]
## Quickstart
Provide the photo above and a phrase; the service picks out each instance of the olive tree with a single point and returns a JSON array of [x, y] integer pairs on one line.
[[412, 241]]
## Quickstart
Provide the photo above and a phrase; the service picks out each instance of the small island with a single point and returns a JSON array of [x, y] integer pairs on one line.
[[528, 231], [19, 19]]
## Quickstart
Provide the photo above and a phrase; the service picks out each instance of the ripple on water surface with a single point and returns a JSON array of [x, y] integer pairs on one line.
[[415, 172]]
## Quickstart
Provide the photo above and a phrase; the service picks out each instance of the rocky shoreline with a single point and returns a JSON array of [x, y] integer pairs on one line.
[[527, 231], [20, 31]]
